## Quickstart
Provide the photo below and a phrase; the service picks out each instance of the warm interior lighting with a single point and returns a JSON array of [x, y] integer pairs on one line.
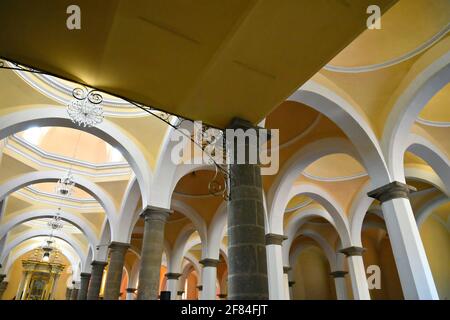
[[46, 257]]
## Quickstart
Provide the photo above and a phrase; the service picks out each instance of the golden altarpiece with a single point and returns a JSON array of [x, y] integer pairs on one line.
[[41, 272]]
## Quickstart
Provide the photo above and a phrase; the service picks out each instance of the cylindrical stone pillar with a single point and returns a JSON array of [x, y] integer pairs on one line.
[[247, 274], [96, 279], [357, 272], [410, 257], [172, 284], [340, 284], [68, 293], [3, 286], [84, 285], [209, 276], [291, 285], [277, 283], [74, 293], [131, 293], [115, 270], [151, 254]]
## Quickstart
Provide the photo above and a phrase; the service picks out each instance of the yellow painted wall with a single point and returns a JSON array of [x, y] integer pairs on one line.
[[311, 276], [436, 240], [15, 276]]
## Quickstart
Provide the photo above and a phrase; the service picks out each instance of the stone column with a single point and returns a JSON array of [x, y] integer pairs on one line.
[[287, 293], [3, 285], [277, 290], [151, 254], [115, 270], [84, 285], [357, 272], [340, 284], [96, 279], [74, 292], [209, 276], [412, 264], [172, 284], [291, 293], [247, 273], [131, 293], [68, 293]]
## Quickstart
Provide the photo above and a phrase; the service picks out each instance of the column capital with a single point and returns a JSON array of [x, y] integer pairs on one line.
[[172, 275], [291, 284], [353, 251], [338, 274], [131, 290], [222, 295], [239, 123], [286, 269], [273, 238], [114, 245], [208, 262], [200, 287], [85, 275], [180, 293], [155, 213], [99, 263], [393, 190]]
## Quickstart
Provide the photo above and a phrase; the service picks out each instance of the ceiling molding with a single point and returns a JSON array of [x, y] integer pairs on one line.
[[57, 203], [56, 196], [56, 157], [335, 179], [430, 123], [374, 67], [32, 157], [65, 96]]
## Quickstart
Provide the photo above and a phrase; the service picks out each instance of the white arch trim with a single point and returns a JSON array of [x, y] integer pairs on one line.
[[47, 213], [52, 176], [71, 256], [407, 107], [43, 115], [44, 233], [281, 190], [351, 122]]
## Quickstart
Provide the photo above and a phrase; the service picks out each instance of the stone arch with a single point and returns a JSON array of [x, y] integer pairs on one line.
[[43, 233], [53, 176], [407, 107], [41, 115], [278, 196], [48, 213]]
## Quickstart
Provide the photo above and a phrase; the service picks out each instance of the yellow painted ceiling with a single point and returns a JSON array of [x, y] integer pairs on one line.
[[292, 119], [405, 27], [78, 144], [338, 165], [438, 108], [49, 187], [209, 60]]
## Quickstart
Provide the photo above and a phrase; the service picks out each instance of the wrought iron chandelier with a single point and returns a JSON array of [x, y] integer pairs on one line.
[[56, 223], [85, 109], [65, 185]]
